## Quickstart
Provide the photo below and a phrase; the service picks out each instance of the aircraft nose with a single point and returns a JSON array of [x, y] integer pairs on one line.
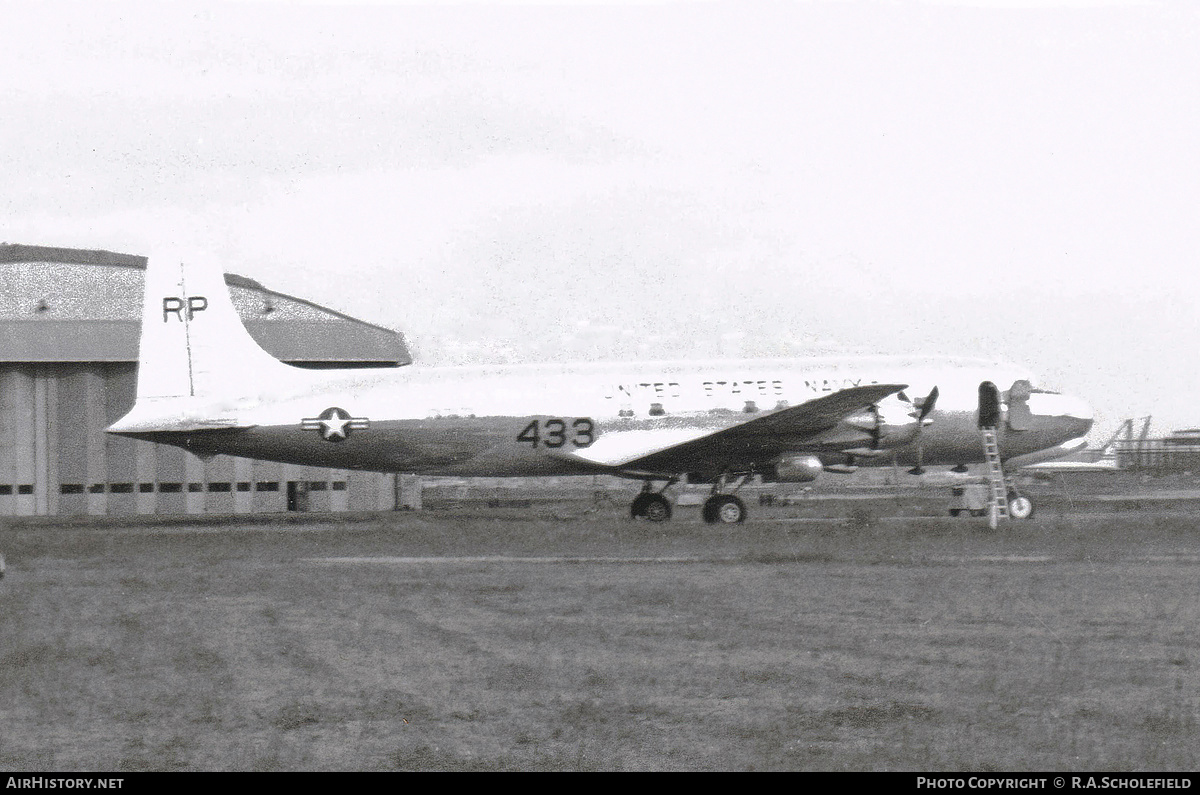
[[1081, 425], [1077, 413], [1078, 409], [1080, 414]]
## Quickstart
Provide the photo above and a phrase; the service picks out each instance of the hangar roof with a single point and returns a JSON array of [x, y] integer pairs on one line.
[[73, 305]]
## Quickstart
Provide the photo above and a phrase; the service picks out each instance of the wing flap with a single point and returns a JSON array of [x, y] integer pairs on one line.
[[615, 448]]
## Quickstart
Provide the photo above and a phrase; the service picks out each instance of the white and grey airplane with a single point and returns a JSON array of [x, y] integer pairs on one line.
[[205, 385]]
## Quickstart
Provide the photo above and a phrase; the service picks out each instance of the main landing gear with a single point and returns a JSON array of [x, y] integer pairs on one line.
[[651, 505], [724, 509], [719, 508]]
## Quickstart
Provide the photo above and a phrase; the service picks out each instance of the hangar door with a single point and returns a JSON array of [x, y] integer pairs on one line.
[[24, 442]]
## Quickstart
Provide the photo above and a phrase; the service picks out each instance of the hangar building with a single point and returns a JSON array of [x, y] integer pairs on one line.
[[69, 326]]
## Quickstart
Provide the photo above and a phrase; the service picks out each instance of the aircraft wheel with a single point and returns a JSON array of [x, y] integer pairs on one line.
[[955, 511], [724, 509], [651, 507], [1020, 506]]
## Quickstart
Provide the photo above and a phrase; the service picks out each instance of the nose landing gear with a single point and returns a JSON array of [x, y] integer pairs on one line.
[[1019, 506], [972, 499]]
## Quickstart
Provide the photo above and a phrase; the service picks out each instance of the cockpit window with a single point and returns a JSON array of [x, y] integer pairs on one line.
[[1036, 388]]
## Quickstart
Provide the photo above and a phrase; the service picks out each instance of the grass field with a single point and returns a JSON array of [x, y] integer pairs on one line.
[[462, 641]]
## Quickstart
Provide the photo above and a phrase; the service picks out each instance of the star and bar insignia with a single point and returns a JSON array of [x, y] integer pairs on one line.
[[334, 424]]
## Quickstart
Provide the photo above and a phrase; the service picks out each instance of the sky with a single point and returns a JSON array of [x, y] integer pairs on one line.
[[504, 181]]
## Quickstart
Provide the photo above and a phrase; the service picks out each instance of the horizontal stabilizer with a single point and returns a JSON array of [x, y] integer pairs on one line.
[[173, 415]]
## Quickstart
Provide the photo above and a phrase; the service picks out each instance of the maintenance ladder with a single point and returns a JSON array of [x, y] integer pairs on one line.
[[997, 488]]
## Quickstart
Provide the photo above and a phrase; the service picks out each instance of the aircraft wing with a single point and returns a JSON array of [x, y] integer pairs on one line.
[[757, 441]]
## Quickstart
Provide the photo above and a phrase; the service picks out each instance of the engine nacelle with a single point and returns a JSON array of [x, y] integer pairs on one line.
[[897, 434], [795, 469], [885, 426]]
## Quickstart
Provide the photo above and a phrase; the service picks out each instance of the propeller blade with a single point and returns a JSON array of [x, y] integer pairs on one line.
[[930, 402], [926, 406]]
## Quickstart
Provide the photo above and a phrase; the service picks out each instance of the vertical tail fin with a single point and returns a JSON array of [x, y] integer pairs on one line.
[[193, 343], [196, 361]]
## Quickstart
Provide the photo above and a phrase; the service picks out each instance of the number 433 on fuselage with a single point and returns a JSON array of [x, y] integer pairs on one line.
[[205, 385]]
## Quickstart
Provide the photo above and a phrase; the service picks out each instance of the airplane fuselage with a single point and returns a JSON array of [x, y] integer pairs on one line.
[[563, 419]]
